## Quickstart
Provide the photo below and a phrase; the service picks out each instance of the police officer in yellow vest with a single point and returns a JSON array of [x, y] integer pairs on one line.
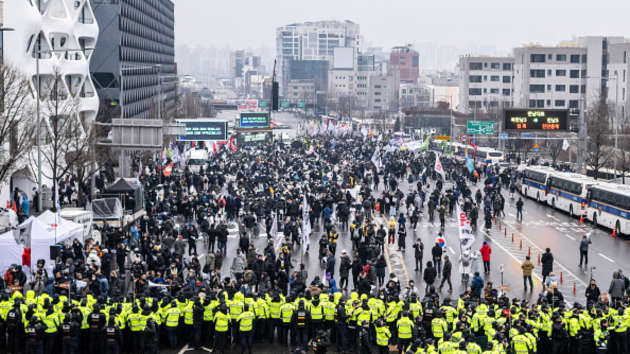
[[405, 331], [221, 325], [51, 319], [445, 345], [172, 321], [275, 318], [236, 309], [246, 329], [286, 311], [136, 326], [520, 343], [382, 337]]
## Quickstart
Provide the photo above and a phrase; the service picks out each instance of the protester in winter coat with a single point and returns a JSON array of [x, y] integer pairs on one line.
[[485, 256], [547, 264], [429, 275]]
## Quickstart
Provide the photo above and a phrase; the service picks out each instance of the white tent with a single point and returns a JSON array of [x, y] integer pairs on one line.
[[10, 252], [38, 234]]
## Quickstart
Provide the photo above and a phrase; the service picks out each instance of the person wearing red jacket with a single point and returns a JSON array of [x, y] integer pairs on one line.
[[485, 257]]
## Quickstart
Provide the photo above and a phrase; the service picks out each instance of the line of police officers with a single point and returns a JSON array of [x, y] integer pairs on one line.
[[43, 324]]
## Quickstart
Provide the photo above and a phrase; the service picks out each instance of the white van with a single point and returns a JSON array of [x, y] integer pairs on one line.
[[85, 218], [196, 159]]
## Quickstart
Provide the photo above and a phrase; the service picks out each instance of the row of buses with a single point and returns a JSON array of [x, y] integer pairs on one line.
[[602, 203]]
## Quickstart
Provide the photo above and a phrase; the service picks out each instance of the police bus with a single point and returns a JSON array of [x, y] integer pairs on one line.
[[609, 206], [487, 155], [568, 192], [534, 183]]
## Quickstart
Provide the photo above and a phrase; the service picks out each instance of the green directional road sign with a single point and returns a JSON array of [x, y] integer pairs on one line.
[[285, 104], [262, 104], [301, 104], [480, 127]]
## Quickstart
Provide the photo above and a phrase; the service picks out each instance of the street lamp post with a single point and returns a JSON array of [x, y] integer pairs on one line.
[[39, 142]]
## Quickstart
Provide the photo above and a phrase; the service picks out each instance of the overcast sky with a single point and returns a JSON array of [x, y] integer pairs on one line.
[[504, 23]]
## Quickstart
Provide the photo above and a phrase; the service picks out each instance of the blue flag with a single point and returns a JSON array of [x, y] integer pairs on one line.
[[470, 164]]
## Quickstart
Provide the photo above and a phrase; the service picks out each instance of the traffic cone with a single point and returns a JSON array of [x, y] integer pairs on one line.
[[512, 238], [495, 221], [614, 234], [539, 258], [560, 277], [521, 245], [529, 252], [504, 232], [8, 204], [499, 226], [581, 219], [574, 290]]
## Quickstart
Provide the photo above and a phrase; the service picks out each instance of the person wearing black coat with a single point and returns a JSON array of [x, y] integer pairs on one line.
[[429, 275], [547, 264], [436, 252], [381, 264], [357, 268], [364, 285], [283, 282], [258, 267]]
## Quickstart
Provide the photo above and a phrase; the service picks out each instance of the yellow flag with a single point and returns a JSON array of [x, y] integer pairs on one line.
[[271, 190]]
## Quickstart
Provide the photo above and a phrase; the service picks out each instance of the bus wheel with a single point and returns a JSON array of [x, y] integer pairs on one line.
[[618, 228]]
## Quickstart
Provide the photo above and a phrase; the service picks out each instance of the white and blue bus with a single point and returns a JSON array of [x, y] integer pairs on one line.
[[486, 155], [568, 192], [534, 183], [609, 206]]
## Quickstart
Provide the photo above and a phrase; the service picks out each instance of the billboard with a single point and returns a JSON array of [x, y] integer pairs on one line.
[[253, 139], [536, 119], [204, 129], [254, 120], [343, 58]]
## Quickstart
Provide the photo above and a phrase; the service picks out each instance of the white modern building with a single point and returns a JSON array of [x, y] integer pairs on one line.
[[55, 25], [69, 29], [618, 69], [485, 82]]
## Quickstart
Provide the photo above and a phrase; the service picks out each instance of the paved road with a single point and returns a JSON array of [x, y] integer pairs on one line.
[[541, 227]]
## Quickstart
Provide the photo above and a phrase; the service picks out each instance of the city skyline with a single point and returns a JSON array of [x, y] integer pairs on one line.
[[486, 22]]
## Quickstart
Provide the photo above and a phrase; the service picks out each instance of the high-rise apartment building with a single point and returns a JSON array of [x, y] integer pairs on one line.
[[618, 69], [314, 41], [134, 64]]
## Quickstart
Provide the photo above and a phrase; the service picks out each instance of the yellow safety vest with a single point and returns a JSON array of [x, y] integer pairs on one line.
[[221, 322], [246, 319], [172, 317]]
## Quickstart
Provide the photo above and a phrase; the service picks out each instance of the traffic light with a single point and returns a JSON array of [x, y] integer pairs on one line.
[[275, 89]]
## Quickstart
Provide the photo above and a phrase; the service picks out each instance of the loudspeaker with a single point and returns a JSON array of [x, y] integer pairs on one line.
[[275, 90], [55, 251]]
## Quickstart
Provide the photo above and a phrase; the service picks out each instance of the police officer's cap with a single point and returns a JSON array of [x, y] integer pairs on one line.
[[33, 320], [462, 345], [429, 341], [521, 330]]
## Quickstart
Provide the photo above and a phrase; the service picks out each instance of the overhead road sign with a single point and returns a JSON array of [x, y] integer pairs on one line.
[[480, 127], [503, 136]]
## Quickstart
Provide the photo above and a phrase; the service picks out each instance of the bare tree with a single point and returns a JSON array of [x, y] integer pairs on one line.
[[347, 105], [17, 119], [554, 148], [598, 152], [68, 140]]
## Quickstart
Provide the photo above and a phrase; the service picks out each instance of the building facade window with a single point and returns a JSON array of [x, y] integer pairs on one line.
[[537, 73], [561, 57], [506, 92], [495, 66], [561, 73], [574, 74], [559, 103], [561, 88], [574, 89], [494, 78], [474, 91], [537, 88], [507, 79], [507, 66], [475, 66], [537, 58]]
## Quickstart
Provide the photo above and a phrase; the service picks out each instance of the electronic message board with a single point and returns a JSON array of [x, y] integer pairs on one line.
[[197, 129], [254, 120], [536, 119]]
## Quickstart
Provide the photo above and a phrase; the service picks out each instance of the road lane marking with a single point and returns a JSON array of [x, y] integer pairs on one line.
[[552, 217], [451, 249], [571, 237], [606, 258]]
